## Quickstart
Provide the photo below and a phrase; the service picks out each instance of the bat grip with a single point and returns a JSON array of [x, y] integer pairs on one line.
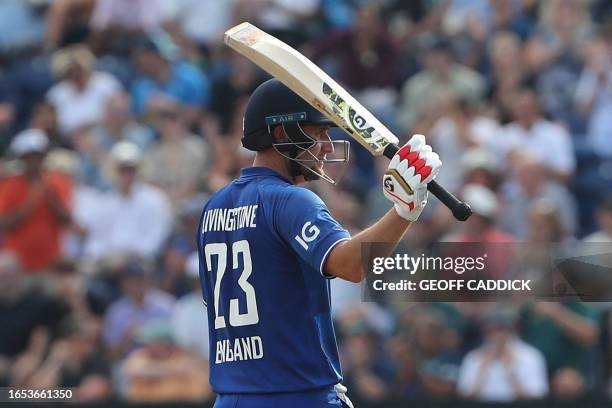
[[461, 210]]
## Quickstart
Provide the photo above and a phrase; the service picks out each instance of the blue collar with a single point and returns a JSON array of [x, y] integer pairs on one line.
[[261, 172]]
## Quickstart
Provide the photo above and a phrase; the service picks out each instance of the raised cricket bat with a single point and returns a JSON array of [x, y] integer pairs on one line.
[[311, 83]]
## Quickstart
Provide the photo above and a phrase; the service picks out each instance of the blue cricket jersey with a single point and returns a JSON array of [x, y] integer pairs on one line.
[[262, 244]]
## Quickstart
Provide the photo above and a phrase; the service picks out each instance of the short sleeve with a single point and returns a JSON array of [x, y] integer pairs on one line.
[[304, 222]]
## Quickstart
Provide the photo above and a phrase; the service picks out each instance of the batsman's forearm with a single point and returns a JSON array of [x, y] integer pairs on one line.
[[345, 260]]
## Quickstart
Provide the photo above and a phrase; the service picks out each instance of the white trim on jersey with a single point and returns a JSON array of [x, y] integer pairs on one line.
[[325, 257]]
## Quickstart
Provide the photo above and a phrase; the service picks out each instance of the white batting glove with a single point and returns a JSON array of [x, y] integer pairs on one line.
[[406, 178]]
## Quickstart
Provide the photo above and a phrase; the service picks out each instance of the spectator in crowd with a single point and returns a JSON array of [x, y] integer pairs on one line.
[[366, 55], [594, 96], [238, 83], [26, 364], [189, 325], [161, 371], [458, 129], [528, 184], [424, 332], [162, 72], [67, 22], [556, 86], [439, 377], [86, 202], [368, 370], [7, 110], [481, 226], [118, 125], [81, 96], [26, 315], [503, 368], [34, 205], [548, 142], [545, 224], [23, 26], [181, 246], [75, 360], [604, 219], [563, 26], [480, 166], [135, 16], [283, 18], [128, 210], [566, 333], [44, 117], [178, 163], [67, 284], [95, 143], [441, 74], [507, 73], [228, 155], [201, 21], [64, 162], [141, 303], [567, 384]]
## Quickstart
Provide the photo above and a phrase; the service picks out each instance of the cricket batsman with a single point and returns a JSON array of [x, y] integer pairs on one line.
[[268, 248]]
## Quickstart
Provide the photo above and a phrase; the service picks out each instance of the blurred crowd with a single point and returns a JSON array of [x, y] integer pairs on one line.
[[118, 118]]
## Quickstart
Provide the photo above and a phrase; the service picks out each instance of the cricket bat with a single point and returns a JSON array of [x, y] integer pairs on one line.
[[311, 83]]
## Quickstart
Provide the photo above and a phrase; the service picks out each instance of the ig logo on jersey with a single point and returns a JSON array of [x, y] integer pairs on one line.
[[309, 233]]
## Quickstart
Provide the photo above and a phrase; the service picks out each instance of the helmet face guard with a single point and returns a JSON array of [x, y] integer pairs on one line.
[[304, 162]]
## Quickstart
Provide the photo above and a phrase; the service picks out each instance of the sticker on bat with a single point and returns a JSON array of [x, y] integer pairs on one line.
[[356, 123], [359, 123], [338, 102], [249, 35]]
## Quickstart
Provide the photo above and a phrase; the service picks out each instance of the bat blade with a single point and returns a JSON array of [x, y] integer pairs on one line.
[[311, 83]]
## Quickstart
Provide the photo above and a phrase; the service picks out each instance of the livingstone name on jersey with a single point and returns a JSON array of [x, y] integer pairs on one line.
[[229, 219], [239, 349]]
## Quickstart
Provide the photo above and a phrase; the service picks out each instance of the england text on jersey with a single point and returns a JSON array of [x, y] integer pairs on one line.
[[229, 219], [241, 348]]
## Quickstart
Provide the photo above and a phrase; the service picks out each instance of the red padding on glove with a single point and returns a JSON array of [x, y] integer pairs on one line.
[[424, 171], [419, 164], [403, 151]]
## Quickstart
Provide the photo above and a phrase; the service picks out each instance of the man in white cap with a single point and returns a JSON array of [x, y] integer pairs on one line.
[[136, 216], [34, 204], [485, 207]]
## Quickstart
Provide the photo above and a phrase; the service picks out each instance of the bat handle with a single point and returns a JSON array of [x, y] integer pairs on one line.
[[460, 209]]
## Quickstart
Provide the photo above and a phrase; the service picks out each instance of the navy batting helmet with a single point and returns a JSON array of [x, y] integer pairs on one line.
[[271, 104]]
